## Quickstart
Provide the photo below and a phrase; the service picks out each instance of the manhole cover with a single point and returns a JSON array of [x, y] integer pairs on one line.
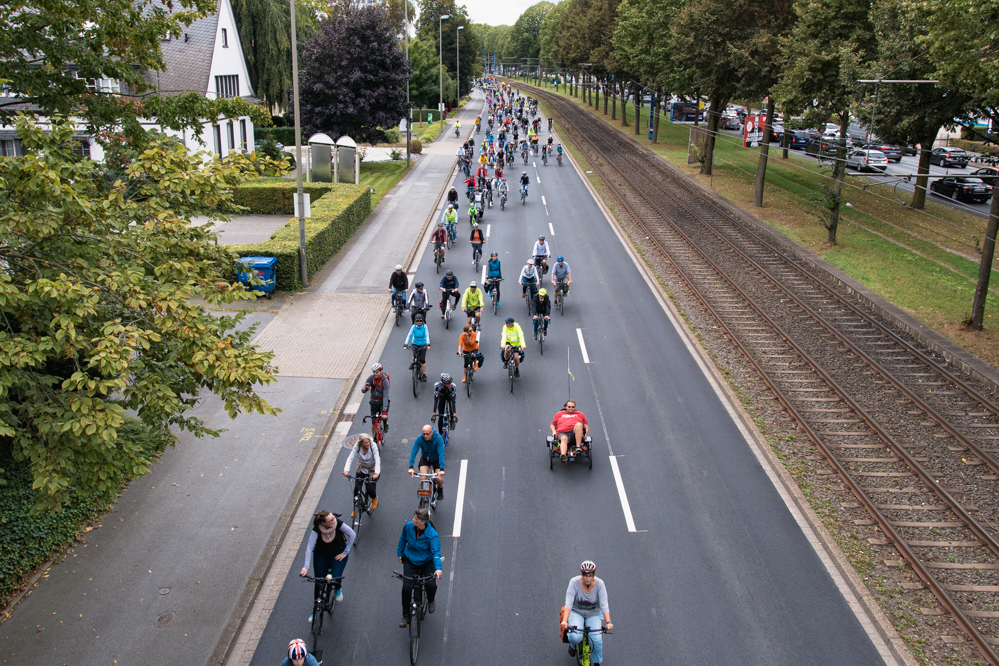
[[165, 590], [165, 619]]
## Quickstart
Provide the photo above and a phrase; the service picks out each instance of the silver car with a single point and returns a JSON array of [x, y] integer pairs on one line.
[[862, 160]]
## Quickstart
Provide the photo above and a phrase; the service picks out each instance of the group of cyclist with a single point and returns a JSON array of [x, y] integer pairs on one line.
[[330, 540]]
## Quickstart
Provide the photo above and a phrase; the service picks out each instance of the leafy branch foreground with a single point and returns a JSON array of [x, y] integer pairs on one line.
[[98, 268]]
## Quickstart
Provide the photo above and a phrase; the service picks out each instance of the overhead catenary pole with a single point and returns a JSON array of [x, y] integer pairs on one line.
[[457, 51], [409, 107], [303, 267], [440, 59]]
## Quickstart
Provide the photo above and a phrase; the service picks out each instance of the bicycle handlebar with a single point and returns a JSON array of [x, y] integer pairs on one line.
[[417, 579], [587, 630], [328, 580]]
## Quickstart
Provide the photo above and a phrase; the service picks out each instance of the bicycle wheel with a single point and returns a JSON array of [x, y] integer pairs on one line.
[[414, 635], [416, 379], [541, 338], [561, 304], [398, 314], [355, 522], [447, 316], [477, 255], [317, 622], [510, 369], [437, 260]]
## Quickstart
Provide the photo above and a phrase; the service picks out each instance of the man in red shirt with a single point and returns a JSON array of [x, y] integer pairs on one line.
[[569, 426], [439, 239]]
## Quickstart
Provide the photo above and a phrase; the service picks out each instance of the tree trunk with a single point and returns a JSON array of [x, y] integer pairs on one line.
[[624, 105], [596, 94], [638, 107], [613, 106], [761, 168], [605, 97], [839, 172], [655, 121], [697, 108], [785, 139], [985, 268], [714, 119], [919, 195]]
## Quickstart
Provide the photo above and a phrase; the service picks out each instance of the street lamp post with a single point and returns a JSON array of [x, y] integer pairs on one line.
[[457, 50], [440, 59], [303, 266], [409, 107]]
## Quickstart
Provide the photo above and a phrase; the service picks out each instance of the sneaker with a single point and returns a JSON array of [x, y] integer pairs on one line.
[[535, 336], [565, 459], [440, 492], [310, 617], [386, 427], [572, 651], [475, 366], [431, 607], [516, 373], [498, 304], [442, 315], [339, 595], [374, 504], [404, 622]]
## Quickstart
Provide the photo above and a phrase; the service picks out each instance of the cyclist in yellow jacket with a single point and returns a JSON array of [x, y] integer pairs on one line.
[[471, 303], [513, 336]]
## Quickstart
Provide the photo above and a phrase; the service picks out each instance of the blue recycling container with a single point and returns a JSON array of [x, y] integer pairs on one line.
[[266, 270]]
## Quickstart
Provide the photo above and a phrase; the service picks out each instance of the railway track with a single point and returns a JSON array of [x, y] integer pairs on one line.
[[915, 442]]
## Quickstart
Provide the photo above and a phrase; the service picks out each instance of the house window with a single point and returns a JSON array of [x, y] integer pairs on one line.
[[225, 39], [232, 139], [217, 131], [227, 87], [83, 148], [10, 148], [242, 135]]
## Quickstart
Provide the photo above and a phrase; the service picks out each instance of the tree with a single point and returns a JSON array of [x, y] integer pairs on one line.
[[962, 36], [908, 114], [354, 81], [264, 32], [396, 16], [102, 273], [825, 55], [443, 37], [548, 38], [50, 51], [424, 83], [525, 37]]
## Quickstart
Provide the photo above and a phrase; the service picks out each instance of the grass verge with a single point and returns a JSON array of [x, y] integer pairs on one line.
[[382, 176]]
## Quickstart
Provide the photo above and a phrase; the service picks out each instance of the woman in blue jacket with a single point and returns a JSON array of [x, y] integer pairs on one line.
[[420, 553], [419, 338]]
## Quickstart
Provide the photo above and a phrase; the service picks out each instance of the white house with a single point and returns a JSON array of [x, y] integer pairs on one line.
[[207, 59]]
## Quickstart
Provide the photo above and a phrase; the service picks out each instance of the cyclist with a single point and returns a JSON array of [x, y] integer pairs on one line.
[[419, 338], [451, 219], [328, 548], [523, 149], [439, 239], [498, 174], [570, 427], [445, 395], [478, 124], [528, 279], [549, 125], [419, 551], [449, 289], [468, 343], [473, 209], [561, 275], [452, 196], [431, 448], [398, 284], [542, 307], [541, 253], [494, 274], [488, 187], [524, 182], [504, 189], [378, 383], [512, 335], [476, 239], [369, 466], [558, 152], [457, 128], [586, 601], [535, 142], [418, 302], [481, 174], [298, 655], [471, 303]]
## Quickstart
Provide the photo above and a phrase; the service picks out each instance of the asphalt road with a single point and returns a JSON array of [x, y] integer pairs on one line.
[[716, 569]]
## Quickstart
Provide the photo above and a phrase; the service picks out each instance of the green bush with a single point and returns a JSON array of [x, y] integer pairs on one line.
[[283, 135], [415, 147], [392, 135], [976, 147], [336, 215], [30, 539], [420, 115], [275, 197]]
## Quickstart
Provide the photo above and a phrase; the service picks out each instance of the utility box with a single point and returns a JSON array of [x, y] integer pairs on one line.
[[266, 270], [321, 149], [347, 163]]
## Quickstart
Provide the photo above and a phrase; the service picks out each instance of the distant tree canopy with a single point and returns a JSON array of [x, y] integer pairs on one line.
[[354, 76]]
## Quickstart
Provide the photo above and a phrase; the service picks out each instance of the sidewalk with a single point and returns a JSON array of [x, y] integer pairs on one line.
[[171, 574]]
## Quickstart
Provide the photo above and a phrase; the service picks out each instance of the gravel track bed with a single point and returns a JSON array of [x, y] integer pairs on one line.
[[919, 618]]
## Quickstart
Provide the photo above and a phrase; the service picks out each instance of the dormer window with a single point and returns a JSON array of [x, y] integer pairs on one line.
[[225, 38], [227, 87]]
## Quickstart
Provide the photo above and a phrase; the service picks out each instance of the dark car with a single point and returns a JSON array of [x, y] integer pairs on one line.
[[824, 146], [893, 153], [988, 174], [798, 140], [962, 188], [729, 122], [949, 157]]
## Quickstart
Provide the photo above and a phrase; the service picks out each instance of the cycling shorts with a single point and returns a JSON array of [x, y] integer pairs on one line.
[[420, 353], [435, 466]]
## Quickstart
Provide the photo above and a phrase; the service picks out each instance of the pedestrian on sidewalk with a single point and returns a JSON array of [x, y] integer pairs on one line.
[[328, 548]]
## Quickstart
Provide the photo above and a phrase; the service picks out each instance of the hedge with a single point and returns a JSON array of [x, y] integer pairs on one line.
[[975, 147], [420, 115], [336, 215], [283, 135], [275, 197], [28, 539]]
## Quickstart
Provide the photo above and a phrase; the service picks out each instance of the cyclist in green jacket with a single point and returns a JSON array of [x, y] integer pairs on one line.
[[471, 303]]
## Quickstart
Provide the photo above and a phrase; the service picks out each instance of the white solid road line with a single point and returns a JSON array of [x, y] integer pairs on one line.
[[488, 227], [543, 200], [460, 501], [628, 519], [539, 178], [483, 274], [551, 228], [582, 345]]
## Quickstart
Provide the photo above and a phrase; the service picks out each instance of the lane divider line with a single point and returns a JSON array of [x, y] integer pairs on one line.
[[539, 178], [460, 501], [551, 228], [488, 227], [543, 200], [628, 519], [483, 274], [582, 345]]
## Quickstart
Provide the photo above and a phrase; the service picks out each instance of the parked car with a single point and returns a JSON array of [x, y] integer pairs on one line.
[[824, 146], [776, 134], [962, 188], [798, 139], [893, 153], [949, 157], [864, 159], [989, 174], [729, 122]]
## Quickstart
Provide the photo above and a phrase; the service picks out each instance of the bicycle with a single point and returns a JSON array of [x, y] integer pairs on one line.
[[446, 423], [322, 605], [399, 305], [544, 157], [448, 308], [523, 154], [417, 611], [542, 325], [362, 505], [511, 367], [452, 233], [438, 259], [523, 196], [494, 291], [476, 255], [585, 648], [379, 428], [503, 201], [532, 289], [560, 295], [470, 359], [559, 159], [427, 490], [415, 367], [457, 132]]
